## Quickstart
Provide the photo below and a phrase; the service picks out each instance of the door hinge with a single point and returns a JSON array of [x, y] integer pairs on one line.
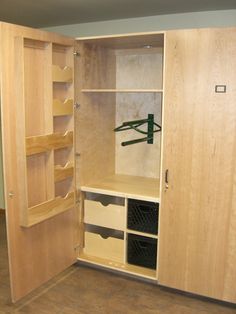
[[76, 105], [76, 54], [77, 246], [11, 194]]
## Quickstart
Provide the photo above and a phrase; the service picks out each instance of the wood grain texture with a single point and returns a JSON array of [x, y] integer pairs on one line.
[[61, 173], [35, 254], [122, 90], [109, 248], [49, 209], [62, 75], [198, 224], [110, 216], [142, 272], [95, 118], [38, 179], [104, 72], [62, 188], [138, 69], [127, 41], [36, 105], [141, 159], [39, 144], [126, 186], [63, 108], [98, 67]]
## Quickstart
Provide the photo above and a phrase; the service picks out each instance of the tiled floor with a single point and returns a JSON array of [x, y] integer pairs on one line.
[[82, 290]]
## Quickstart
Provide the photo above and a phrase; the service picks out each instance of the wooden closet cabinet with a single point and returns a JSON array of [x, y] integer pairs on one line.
[[159, 205]]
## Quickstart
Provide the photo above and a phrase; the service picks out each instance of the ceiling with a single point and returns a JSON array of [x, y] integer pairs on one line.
[[44, 13]]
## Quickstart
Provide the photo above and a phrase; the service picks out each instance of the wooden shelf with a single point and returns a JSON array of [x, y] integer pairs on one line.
[[126, 41], [62, 173], [61, 108], [121, 90], [62, 75], [39, 144], [127, 268], [46, 210], [144, 234], [147, 189]]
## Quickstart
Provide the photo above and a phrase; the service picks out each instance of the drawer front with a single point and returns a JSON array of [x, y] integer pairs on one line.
[[110, 216], [110, 248]]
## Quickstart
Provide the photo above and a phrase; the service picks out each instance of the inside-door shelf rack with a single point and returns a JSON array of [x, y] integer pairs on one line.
[[62, 75], [121, 90], [62, 108], [127, 186], [42, 143], [48, 209], [62, 173]]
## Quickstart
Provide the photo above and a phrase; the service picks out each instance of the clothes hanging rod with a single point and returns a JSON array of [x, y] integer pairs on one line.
[[135, 124]]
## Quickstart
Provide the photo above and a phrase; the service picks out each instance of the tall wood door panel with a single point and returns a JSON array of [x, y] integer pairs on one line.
[[198, 212], [37, 95]]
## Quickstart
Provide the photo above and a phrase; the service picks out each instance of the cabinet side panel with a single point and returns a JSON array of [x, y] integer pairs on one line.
[[2, 200], [198, 225], [95, 118]]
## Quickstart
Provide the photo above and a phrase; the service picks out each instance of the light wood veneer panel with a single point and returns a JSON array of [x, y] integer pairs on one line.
[[61, 173], [197, 236], [126, 186], [62, 108], [49, 209], [109, 248], [62, 75], [38, 144], [111, 216], [38, 253]]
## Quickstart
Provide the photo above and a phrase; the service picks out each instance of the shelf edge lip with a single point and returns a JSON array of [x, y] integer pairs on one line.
[[120, 194], [145, 234], [121, 90], [81, 259], [122, 35]]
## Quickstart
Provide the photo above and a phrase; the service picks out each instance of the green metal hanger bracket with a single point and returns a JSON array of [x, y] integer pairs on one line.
[[135, 126]]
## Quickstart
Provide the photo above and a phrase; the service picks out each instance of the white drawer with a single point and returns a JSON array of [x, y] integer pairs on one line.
[[110, 216], [110, 248]]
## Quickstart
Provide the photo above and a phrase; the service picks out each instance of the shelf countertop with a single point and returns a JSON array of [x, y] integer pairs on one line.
[[126, 186]]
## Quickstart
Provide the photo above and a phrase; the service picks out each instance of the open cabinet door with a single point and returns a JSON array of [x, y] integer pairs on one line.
[[198, 214], [37, 96]]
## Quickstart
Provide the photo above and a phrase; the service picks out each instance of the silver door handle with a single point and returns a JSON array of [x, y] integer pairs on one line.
[[167, 179]]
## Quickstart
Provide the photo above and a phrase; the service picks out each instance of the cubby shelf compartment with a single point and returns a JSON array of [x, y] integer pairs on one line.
[[96, 245], [61, 108], [119, 90], [39, 144], [143, 216], [62, 75], [142, 251], [62, 173], [48, 209]]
